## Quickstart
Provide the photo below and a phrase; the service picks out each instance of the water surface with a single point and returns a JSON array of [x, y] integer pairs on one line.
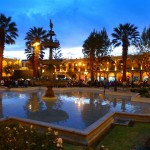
[[71, 109]]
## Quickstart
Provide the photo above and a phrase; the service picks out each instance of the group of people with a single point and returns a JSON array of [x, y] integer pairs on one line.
[[14, 83], [81, 83]]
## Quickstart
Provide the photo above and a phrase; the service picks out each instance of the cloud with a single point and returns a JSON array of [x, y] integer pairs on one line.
[[74, 20], [72, 52]]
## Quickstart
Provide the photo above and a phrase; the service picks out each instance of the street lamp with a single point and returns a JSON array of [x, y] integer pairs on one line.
[[115, 84], [104, 81], [104, 72]]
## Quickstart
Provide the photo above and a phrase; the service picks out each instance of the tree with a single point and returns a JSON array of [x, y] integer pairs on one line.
[[8, 34], [30, 56], [125, 35], [97, 45], [35, 38], [57, 53], [143, 55], [144, 44], [145, 38], [104, 47]]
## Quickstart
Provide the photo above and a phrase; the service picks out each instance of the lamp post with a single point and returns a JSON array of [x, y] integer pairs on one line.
[[132, 82], [104, 72], [115, 84], [104, 81]]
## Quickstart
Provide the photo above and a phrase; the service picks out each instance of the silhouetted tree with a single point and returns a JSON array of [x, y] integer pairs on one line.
[[8, 34], [35, 52], [125, 35], [57, 53], [95, 46], [145, 38], [143, 55]]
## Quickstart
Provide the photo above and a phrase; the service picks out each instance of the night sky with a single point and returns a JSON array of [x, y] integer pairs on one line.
[[73, 20]]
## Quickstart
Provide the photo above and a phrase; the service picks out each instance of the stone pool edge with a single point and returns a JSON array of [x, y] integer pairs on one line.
[[88, 136], [92, 133]]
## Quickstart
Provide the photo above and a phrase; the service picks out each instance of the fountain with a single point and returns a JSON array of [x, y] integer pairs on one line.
[[51, 44]]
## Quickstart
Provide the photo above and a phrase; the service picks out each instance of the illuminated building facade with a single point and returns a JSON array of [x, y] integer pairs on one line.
[[80, 69], [9, 65], [135, 71]]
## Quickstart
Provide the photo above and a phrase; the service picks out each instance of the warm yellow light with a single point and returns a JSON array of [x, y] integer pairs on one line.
[[79, 64], [30, 106], [79, 103], [85, 73], [36, 44]]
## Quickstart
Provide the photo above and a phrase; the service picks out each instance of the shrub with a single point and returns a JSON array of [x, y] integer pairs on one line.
[[15, 137], [143, 91], [134, 90]]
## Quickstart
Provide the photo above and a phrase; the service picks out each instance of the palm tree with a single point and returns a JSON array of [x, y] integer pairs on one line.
[[30, 55], [96, 46], [8, 34], [35, 39], [125, 35]]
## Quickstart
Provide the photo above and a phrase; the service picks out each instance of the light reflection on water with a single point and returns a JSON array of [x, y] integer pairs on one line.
[[72, 109]]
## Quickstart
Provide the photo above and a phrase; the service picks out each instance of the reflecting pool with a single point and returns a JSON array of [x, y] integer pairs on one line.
[[73, 109]]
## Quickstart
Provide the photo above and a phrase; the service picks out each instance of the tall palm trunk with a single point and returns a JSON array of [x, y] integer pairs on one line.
[[124, 58], [36, 58], [2, 40], [124, 64], [91, 65], [1, 63]]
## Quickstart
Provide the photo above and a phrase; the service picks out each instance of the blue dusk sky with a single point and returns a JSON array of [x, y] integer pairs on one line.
[[73, 20]]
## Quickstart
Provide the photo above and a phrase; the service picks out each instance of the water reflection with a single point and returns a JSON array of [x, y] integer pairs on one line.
[[72, 109], [93, 110], [123, 105], [44, 110], [114, 102], [79, 102], [1, 107], [34, 104]]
